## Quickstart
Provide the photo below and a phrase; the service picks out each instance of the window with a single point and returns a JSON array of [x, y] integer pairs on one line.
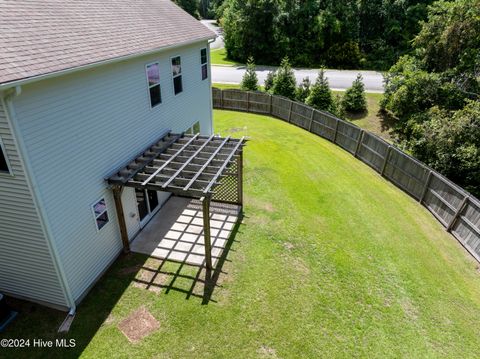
[[100, 213], [153, 77], [177, 74], [204, 62], [3, 160], [194, 129]]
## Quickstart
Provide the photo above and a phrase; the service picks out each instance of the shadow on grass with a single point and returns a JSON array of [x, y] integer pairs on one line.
[[387, 121], [38, 322]]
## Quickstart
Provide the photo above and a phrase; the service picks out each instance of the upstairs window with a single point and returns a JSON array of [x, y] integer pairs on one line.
[[177, 74], [3, 160], [100, 213], [153, 78], [204, 63]]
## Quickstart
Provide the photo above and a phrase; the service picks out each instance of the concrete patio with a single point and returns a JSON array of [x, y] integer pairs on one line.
[[175, 233]]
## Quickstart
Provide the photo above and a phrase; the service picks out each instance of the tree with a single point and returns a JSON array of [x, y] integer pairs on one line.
[[320, 94], [285, 83], [249, 30], [190, 6], [270, 80], [450, 142], [250, 80], [303, 90], [354, 99], [434, 93]]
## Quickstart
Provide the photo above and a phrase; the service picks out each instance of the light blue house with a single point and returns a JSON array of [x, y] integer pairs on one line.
[[84, 87]]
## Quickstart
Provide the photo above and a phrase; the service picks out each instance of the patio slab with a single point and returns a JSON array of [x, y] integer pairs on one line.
[[176, 232]]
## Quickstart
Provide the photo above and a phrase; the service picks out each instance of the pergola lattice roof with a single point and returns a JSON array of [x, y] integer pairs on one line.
[[186, 165]]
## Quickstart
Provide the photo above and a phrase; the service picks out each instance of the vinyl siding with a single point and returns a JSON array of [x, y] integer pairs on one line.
[[81, 127], [26, 265]]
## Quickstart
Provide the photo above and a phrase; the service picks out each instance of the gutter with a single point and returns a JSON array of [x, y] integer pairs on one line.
[[28, 80], [6, 101]]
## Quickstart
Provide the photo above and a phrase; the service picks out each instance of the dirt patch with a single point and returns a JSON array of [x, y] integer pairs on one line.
[[138, 325], [267, 352]]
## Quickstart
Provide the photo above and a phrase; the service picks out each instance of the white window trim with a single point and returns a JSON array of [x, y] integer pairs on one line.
[[148, 84], [9, 165], [180, 74], [204, 63], [95, 216]]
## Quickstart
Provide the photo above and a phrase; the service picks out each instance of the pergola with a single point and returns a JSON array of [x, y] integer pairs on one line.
[[202, 167]]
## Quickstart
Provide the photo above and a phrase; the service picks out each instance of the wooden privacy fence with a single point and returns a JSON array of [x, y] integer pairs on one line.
[[457, 210]]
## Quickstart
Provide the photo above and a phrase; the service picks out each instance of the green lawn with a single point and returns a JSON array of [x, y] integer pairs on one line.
[[219, 57], [331, 261]]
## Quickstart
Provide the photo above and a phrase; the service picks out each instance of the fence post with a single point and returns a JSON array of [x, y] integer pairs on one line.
[[290, 111], [311, 121], [248, 101], [425, 188], [359, 142], [457, 213], [387, 155], [336, 131], [271, 104]]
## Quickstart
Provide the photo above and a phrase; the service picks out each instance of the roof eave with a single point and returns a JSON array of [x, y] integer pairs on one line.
[[7, 85]]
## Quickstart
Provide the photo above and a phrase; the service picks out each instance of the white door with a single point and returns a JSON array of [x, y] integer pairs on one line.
[[129, 201]]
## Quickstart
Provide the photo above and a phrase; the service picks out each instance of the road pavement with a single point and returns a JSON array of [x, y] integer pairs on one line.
[[338, 79]]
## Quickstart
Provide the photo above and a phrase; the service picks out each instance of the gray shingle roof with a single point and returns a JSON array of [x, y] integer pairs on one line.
[[38, 37]]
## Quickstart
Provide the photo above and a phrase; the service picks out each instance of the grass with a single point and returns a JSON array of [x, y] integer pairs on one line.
[[331, 261], [219, 57], [371, 120]]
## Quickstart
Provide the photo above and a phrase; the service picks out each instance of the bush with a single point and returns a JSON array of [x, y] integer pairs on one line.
[[303, 90], [320, 94], [250, 80], [354, 99], [449, 141], [285, 83], [270, 80]]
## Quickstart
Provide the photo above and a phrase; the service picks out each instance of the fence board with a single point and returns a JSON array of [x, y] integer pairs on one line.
[[347, 136], [467, 228], [372, 151], [235, 100], [324, 125], [259, 102], [281, 107], [406, 172], [442, 197], [301, 115]]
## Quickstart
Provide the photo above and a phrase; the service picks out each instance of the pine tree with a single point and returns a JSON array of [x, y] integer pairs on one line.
[[320, 94], [285, 83], [250, 80], [270, 80], [303, 90], [354, 99]]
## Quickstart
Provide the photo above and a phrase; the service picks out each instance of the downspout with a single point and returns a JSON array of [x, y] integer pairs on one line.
[[6, 99], [210, 80]]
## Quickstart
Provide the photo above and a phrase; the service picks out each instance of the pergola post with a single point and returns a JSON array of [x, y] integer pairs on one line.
[[117, 196], [206, 231], [240, 178]]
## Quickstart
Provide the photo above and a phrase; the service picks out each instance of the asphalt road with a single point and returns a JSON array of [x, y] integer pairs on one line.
[[338, 79]]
